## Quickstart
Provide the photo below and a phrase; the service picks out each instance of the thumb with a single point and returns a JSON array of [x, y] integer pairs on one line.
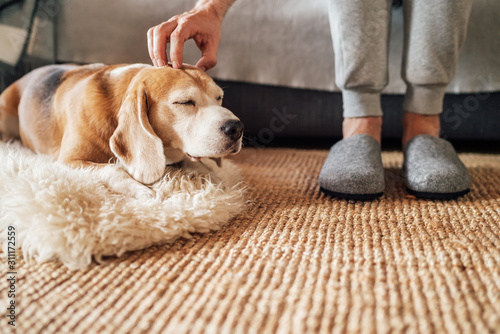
[[208, 58]]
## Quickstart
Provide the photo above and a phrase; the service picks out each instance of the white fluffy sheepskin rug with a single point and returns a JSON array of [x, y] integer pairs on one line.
[[72, 216]]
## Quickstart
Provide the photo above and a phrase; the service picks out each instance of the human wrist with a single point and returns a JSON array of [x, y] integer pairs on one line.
[[217, 8]]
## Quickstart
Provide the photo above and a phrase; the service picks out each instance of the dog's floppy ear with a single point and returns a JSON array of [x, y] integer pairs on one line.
[[134, 142]]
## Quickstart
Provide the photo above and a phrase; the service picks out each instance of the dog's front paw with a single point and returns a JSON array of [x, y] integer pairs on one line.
[[119, 181], [140, 191]]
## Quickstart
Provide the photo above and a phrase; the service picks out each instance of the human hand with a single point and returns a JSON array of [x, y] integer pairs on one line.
[[202, 24]]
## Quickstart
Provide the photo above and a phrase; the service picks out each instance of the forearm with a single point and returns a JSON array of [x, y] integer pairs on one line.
[[220, 7]]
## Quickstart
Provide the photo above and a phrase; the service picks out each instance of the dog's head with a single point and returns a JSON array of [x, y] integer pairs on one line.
[[170, 113]]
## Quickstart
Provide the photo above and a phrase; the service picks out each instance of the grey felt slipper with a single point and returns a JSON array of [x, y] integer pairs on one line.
[[353, 169], [432, 169]]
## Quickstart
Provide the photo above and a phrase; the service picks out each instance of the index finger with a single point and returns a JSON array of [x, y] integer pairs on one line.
[[177, 39]]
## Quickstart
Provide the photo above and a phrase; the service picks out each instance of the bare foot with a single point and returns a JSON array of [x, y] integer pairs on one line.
[[363, 125], [417, 124]]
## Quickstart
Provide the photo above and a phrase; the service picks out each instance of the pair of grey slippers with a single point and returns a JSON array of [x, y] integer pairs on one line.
[[431, 169]]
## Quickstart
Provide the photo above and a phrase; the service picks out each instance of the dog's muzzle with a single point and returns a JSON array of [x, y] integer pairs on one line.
[[233, 129]]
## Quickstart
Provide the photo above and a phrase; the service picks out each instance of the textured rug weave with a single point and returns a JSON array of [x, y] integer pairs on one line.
[[295, 261]]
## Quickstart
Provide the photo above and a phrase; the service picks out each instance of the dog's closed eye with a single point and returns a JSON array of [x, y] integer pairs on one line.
[[187, 103]]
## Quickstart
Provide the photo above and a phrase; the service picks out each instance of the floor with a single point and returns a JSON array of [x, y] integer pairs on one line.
[[296, 261]]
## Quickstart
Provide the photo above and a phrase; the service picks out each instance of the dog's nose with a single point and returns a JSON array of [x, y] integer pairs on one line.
[[233, 129]]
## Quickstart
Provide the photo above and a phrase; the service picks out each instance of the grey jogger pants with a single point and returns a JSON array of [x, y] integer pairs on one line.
[[434, 31]]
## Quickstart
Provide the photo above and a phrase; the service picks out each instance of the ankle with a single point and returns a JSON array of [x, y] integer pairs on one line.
[[418, 124], [372, 126]]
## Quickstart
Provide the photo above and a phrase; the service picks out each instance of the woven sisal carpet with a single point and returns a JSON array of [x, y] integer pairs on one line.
[[294, 262]]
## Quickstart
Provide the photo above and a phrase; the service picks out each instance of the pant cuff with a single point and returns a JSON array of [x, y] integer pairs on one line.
[[425, 100], [361, 104]]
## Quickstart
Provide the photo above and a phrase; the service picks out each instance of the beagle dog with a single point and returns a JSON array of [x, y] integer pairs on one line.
[[139, 116]]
